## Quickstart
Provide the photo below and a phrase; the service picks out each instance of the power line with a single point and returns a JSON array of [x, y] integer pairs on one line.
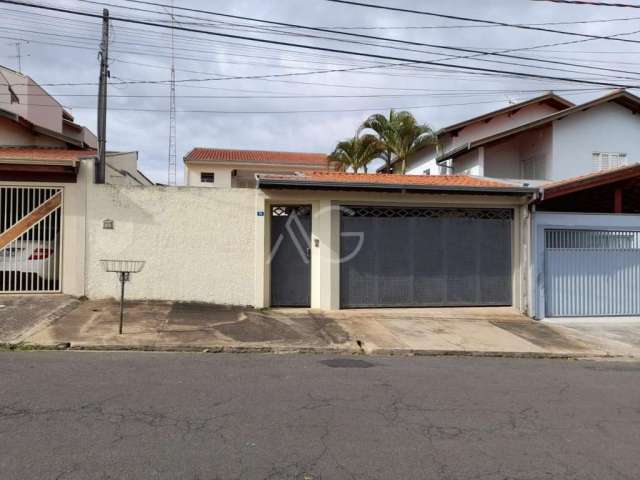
[[336, 63], [277, 112], [478, 20], [456, 57], [314, 96], [487, 23], [327, 49], [597, 4], [371, 37]]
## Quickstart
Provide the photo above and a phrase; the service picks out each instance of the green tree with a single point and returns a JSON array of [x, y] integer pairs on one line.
[[401, 136], [357, 152]]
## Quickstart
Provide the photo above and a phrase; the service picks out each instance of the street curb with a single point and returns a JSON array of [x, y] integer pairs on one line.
[[24, 346], [386, 352], [491, 353]]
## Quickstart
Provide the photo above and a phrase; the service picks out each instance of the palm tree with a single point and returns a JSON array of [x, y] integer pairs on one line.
[[356, 152], [383, 127], [401, 134]]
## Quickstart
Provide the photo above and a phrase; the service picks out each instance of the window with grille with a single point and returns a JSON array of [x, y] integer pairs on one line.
[[207, 177], [607, 160]]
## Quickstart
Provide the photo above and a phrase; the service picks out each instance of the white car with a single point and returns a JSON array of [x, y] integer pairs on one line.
[[36, 258]]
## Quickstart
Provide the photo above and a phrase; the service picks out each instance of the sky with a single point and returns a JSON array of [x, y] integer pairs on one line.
[[295, 109]]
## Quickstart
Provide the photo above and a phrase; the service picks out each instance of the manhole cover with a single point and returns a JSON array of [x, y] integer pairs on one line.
[[347, 363]]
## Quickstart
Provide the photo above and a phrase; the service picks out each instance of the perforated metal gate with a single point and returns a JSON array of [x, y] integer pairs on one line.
[[290, 256], [405, 256], [30, 239], [592, 273]]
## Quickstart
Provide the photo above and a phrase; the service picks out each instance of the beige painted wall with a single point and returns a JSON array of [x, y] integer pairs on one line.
[[245, 173], [13, 135], [198, 243], [210, 245], [35, 104], [122, 169], [325, 270]]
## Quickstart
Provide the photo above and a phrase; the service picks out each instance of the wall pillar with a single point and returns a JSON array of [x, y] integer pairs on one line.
[[617, 200], [325, 256]]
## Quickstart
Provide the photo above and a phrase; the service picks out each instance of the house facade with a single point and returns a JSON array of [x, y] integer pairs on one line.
[[585, 246], [281, 229], [544, 139], [46, 172], [225, 168]]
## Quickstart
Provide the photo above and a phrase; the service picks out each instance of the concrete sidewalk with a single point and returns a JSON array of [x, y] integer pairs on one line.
[[22, 315], [185, 326]]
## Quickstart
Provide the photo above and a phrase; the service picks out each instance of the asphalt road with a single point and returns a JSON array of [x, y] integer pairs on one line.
[[77, 415]]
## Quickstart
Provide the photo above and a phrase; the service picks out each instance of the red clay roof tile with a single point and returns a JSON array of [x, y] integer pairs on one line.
[[382, 179], [220, 155], [591, 180]]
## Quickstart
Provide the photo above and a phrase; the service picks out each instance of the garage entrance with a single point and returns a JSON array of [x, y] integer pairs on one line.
[[30, 240], [591, 272], [425, 257]]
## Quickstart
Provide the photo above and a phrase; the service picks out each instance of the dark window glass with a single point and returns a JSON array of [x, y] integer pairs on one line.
[[207, 177]]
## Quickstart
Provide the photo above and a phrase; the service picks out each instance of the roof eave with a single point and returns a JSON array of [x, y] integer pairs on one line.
[[273, 183], [236, 164]]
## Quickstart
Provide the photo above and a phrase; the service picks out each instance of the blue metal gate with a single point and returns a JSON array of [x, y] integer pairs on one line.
[[592, 273]]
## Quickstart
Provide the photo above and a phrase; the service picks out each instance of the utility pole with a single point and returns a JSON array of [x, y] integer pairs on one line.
[[172, 111], [102, 99]]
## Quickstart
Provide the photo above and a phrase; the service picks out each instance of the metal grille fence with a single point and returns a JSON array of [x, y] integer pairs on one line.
[[30, 239], [437, 212], [592, 273]]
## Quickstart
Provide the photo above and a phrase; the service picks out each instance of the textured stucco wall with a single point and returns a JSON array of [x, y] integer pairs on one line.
[[199, 243]]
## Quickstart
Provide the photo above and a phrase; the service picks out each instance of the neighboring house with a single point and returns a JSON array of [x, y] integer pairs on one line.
[[24, 102], [568, 142], [122, 169], [461, 133], [585, 246], [46, 171], [224, 168], [40, 141]]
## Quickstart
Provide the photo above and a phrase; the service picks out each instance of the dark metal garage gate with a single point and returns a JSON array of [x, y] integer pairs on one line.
[[406, 256]]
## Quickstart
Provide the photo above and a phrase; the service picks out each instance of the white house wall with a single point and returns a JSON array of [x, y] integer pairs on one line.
[[604, 128], [198, 244], [426, 159], [471, 163], [507, 159]]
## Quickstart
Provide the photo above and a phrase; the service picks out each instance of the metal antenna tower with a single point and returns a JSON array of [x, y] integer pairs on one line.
[[172, 111]]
